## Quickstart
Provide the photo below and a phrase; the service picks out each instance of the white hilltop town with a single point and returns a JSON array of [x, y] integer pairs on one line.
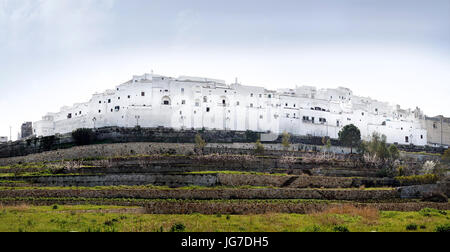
[[152, 101]]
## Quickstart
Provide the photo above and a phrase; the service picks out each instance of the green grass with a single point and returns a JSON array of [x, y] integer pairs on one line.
[[88, 218]]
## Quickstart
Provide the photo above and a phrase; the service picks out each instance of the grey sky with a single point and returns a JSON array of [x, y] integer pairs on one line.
[[58, 52]]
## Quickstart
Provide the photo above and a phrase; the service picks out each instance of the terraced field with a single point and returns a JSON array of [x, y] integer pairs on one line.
[[240, 185]]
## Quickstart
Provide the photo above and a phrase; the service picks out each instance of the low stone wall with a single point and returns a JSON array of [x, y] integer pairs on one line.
[[123, 179], [124, 135], [207, 179], [205, 194], [417, 191], [303, 181], [241, 207], [103, 150]]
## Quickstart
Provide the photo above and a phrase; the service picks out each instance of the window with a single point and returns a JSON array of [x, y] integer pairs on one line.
[[99, 111], [183, 102], [434, 126], [421, 136], [166, 102], [251, 105], [223, 102], [251, 95], [100, 102], [182, 90], [260, 117], [269, 96], [109, 100], [117, 108], [260, 95], [312, 119], [208, 109], [286, 105], [237, 103], [129, 96], [118, 98], [142, 93], [362, 113], [337, 123], [79, 113], [406, 139], [111, 110], [69, 115], [197, 104], [205, 99]]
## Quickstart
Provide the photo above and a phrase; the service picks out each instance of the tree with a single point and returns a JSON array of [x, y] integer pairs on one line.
[[393, 152], [199, 142], [259, 147], [350, 136], [326, 141], [446, 156], [285, 141]]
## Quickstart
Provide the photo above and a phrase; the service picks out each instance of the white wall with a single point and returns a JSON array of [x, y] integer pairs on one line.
[[192, 102]]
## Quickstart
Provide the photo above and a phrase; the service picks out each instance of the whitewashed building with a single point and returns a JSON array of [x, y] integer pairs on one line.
[[200, 103]]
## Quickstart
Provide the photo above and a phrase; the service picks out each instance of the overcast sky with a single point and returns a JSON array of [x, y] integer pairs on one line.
[[59, 52]]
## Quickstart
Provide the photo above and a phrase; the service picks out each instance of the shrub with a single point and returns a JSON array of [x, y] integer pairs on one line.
[[428, 167], [178, 227], [340, 228], [199, 142], [259, 147], [444, 228], [428, 212], [393, 152], [411, 226], [83, 136], [417, 179], [446, 156], [401, 170]]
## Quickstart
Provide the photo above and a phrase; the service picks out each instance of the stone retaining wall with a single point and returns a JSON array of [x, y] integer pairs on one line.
[[205, 194], [122, 179]]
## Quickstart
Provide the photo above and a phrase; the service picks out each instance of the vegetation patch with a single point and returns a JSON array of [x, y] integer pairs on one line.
[[88, 218], [417, 179]]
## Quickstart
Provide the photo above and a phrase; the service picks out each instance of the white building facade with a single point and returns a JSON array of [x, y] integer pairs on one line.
[[201, 103]]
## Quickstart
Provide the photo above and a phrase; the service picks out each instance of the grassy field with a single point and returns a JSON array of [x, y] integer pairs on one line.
[[90, 218]]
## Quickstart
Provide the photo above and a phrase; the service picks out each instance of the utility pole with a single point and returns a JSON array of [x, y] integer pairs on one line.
[[10, 137]]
